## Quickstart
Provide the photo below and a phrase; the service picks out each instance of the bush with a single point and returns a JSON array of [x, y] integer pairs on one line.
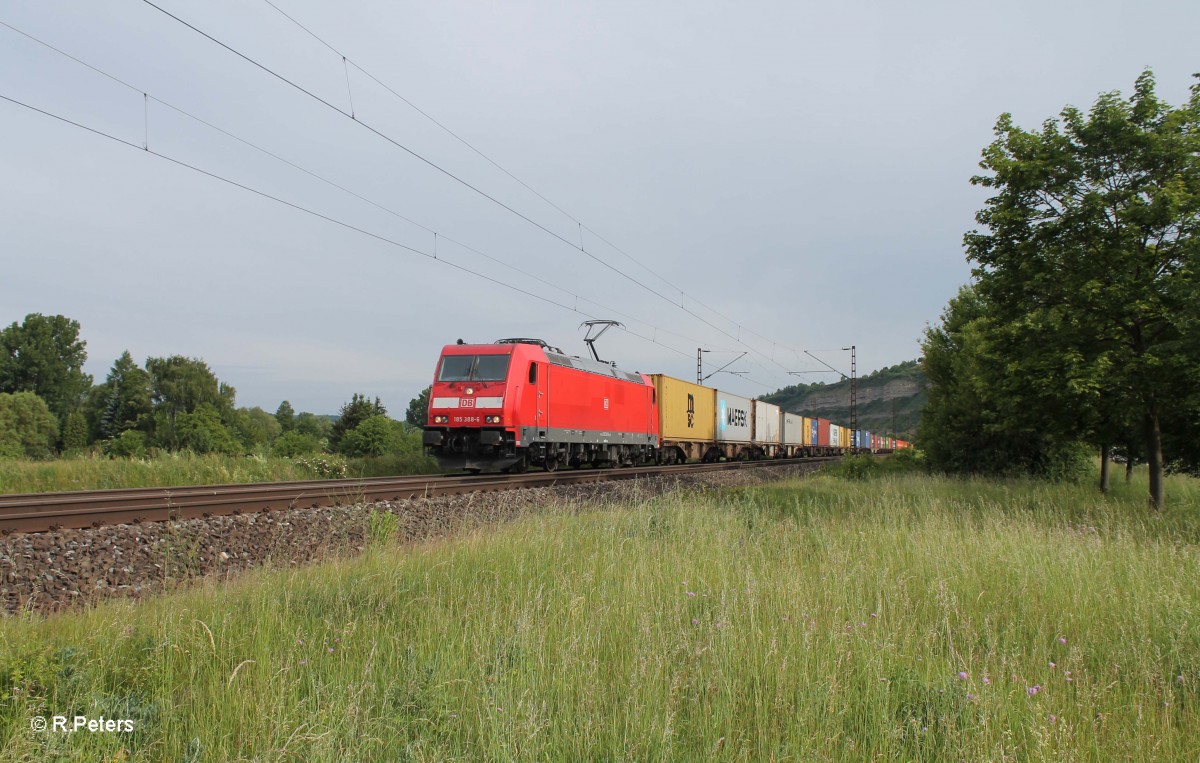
[[864, 466], [394, 465], [293, 443], [27, 427], [203, 432], [325, 466], [129, 444]]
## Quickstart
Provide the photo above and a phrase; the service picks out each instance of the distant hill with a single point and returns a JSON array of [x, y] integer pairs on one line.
[[897, 393]]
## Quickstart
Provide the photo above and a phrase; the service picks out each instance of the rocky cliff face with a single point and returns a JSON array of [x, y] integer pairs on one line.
[[839, 397]]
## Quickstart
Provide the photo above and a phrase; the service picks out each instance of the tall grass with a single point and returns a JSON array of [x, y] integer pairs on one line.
[[899, 618], [97, 472]]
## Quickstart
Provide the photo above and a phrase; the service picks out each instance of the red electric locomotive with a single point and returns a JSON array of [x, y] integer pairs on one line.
[[519, 403]]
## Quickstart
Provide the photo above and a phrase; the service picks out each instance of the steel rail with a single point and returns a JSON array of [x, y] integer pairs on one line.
[[43, 512]]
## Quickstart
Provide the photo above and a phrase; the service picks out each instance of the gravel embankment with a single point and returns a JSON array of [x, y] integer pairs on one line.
[[57, 570]]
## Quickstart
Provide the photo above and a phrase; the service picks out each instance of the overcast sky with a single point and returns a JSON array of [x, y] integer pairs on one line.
[[798, 170]]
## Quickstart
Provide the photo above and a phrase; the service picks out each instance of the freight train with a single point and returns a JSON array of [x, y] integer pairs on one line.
[[518, 403]]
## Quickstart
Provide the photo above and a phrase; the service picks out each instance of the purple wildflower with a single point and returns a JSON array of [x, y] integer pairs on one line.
[[1062, 639], [987, 681], [1179, 678], [1053, 666], [1034, 689], [331, 650], [963, 675], [970, 697], [1053, 718], [691, 593], [695, 621]]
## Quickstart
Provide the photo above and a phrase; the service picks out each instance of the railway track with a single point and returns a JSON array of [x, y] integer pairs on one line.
[[44, 512]]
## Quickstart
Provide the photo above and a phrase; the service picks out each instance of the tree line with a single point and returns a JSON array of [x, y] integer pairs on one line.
[[1080, 332], [48, 405]]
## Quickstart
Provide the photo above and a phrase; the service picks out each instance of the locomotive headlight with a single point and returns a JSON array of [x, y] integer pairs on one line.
[[441, 419], [491, 419], [470, 390]]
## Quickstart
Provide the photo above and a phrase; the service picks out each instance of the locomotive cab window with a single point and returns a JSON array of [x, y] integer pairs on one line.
[[458, 368], [533, 373], [490, 368]]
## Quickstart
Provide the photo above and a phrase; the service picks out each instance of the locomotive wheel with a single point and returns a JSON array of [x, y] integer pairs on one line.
[[551, 464]]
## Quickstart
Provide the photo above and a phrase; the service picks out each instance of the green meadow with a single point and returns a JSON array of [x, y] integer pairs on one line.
[[847, 616], [165, 469]]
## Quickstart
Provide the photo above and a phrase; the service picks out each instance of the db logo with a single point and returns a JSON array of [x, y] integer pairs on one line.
[[468, 402]]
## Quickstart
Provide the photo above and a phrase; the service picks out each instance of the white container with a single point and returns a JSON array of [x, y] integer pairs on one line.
[[793, 429], [766, 423], [733, 417]]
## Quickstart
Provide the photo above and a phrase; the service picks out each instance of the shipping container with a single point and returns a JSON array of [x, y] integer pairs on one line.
[[686, 411], [823, 426], [814, 435], [766, 423], [733, 418], [793, 430], [835, 435]]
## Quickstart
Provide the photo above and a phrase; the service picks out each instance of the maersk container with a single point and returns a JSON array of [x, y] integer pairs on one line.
[[733, 418], [823, 433], [766, 423], [793, 429]]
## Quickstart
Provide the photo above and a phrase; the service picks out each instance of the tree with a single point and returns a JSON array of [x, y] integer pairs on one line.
[[353, 413], [286, 416], [182, 385], [312, 424], [202, 431], [255, 427], [1090, 246], [44, 355], [376, 436], [417, 414], [123, 401], [27, 426], [978, 419], [74, 431]]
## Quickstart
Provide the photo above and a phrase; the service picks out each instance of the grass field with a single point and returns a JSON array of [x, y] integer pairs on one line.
[[175, 469], [900, 617]]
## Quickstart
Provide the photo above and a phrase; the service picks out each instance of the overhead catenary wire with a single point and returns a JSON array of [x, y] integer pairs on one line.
[[314, 213], [518, 180], [461, 181], [436, 235]]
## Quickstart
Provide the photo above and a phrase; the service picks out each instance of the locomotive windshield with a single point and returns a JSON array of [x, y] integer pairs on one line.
[[474, 368]]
